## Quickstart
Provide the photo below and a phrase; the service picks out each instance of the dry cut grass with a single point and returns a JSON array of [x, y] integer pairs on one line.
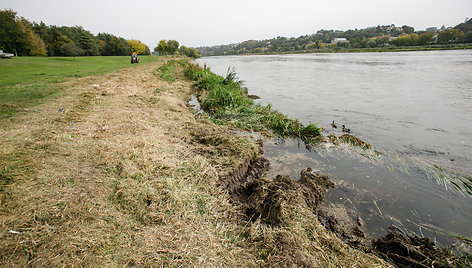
[[127, 176]]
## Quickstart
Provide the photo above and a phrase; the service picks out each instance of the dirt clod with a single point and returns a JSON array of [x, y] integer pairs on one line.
[[346, 138], [413, 251], [344, 223], [269, 199]]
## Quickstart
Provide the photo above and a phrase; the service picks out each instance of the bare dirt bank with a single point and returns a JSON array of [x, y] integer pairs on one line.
[[117, 171]]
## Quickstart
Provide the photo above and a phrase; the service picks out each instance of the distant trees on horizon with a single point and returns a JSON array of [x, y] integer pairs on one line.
[[171, 47], [379, 36], [24, 38]]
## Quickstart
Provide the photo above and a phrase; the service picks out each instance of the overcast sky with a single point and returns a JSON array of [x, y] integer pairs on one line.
[[212, 22]]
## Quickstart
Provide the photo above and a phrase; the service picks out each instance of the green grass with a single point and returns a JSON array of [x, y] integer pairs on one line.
[[226, 101], [27, 81], [167, 70]]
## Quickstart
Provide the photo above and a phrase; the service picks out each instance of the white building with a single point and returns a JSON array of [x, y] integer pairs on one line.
[[339, 40]]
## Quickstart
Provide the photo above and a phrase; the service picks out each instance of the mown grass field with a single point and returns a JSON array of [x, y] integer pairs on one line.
[[27, 81]]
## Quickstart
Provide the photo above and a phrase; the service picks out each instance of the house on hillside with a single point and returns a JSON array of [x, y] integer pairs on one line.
[[335, 41]]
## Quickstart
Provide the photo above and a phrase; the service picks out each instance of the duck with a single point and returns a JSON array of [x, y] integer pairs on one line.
[[347, 130], [334, 125]]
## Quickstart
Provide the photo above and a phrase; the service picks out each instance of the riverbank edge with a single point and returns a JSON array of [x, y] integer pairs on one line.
[[359, 50], [396, 246], [118, 171]]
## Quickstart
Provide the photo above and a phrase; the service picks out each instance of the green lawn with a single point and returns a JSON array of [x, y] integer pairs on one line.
[[27, 81]]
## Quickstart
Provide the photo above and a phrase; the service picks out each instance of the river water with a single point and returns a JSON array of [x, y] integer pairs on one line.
[[415, 108]]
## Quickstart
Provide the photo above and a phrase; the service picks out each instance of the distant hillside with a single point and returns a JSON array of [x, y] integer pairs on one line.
[[378, 36], [465, 27]]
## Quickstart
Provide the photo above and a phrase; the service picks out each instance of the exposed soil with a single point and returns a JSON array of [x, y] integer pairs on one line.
[[268, 201], [262, 198], [254, 97], [346, 224], [122, 174], [413, 251]]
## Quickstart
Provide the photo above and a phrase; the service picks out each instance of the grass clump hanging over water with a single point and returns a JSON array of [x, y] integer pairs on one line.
[[226, 101]]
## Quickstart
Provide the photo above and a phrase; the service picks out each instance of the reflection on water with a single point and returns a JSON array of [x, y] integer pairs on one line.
[[413, 107]]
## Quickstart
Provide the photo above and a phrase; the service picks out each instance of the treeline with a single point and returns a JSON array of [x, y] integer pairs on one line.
[[24, 38], [171, 47], [380, 36]]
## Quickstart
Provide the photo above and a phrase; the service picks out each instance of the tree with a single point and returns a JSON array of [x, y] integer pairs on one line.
[[113, 46], [59, 42], [425, 38], [344, 44], [465, 27], [406, 40], [190, 52], [194, 53], [35, 46], [71, 49], [87, 44], [371, 43], [161, 47], [147, 51], [408, 29], [172, 47], [137, 46], [101, 47], [460, 37], [447, 36], [468, 37], [117, 47], [183, 50], [382, 41], [12, 38], [52, 37], [257, 50]]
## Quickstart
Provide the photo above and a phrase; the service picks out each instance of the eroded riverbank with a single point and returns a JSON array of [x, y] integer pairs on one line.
[[118, 171], [290, 159], [412, 107]]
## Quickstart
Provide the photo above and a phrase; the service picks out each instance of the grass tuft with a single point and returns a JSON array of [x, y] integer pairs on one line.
[[166, 71], [227, 102]]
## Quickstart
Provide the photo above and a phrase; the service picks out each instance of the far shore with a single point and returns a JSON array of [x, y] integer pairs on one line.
[[360, 50]]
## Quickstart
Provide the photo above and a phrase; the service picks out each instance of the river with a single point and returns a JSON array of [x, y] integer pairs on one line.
[[415, 108]]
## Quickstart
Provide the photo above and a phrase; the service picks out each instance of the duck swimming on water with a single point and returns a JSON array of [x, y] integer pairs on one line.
[[344, 129], [334, 125]]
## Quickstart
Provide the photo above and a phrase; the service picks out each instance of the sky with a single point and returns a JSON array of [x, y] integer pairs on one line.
[[213, 22]]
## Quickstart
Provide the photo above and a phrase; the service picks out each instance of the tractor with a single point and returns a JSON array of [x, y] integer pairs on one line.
[[134, 58]]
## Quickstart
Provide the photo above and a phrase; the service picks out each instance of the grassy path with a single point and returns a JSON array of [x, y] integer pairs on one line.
[[27, 81], [117, 175]]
